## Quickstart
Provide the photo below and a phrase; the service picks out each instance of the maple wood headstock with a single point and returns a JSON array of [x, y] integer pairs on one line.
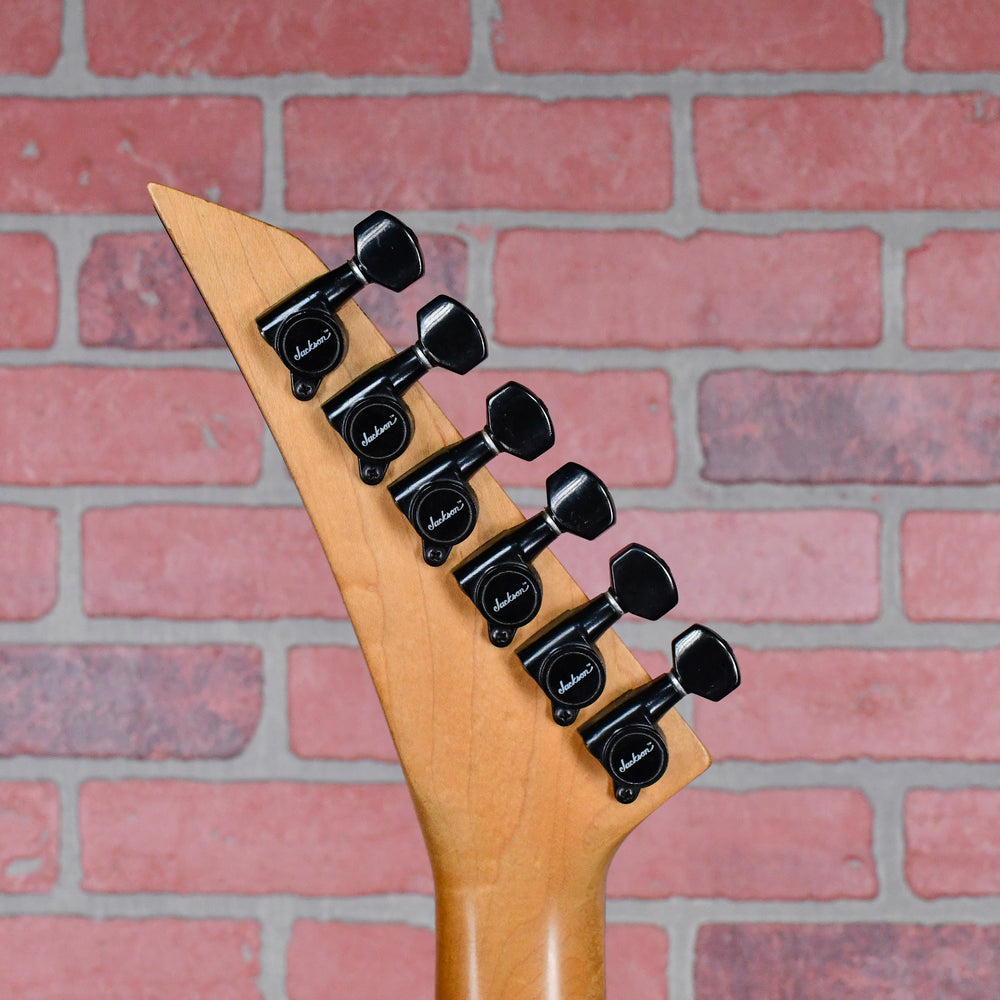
[[518, 818]]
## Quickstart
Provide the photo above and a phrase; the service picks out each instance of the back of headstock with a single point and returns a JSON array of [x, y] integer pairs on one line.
[[518, 817]]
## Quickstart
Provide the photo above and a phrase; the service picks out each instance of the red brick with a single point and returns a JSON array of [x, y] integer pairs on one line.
[[644, 289], [395, 315], [477, 151], [638, 37], [847, 704], [636, 962], [858, 961], [951, 842], [70, 958], [29, 840], [352, 960], [787, 843], [29, 290], [747, 566], [29, 562], [190, 837], [958, 35], [135, 292], [951, 565], [335, 959], [845, 427], [63, 425], [97, 155], [231, 38], [204, 563], [618, 423], [952, 298], [145, 702], [845, 152], [333, 710], [30, 36]]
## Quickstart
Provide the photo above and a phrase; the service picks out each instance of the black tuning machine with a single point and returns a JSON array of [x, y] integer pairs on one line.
[[304, 329], [499, 578], [370, 414], [564, 659], [624, 736], [436, 496]]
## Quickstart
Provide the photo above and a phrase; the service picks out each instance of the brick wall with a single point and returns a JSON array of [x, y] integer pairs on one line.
[[763, 236]]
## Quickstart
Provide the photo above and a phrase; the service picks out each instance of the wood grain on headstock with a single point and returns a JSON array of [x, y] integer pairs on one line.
[[519, 820]]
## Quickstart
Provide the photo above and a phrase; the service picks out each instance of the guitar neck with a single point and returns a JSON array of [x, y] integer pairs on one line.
[[519, 823]]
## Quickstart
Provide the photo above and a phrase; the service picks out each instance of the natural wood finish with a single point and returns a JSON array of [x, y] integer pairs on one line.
[[519, 820]]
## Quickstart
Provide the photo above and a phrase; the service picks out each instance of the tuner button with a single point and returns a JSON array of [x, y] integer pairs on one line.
[[450, 335], [387, 252], [624, 736], [641, 582], [705, 663], [519, 422], [579, 502]]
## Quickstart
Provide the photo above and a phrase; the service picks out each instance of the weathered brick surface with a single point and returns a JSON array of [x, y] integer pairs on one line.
[[29, 562], [958, 35], [514, 152], [29, 36], [850, 704], [801, 843], [71, 958], [591, 36], [336, 959], [636, 962], [29, 839], [644, 289], [135, 292], [231, 38], [129, 701], [29, 291], [873, 427], [97, 155], [333, 710], [205, 562], [952, 298], [749, 566], [250, 837], [395, 314], [951, 565], [618, 423], [951, 843], [844, 152], [855, 961], [64, 425]]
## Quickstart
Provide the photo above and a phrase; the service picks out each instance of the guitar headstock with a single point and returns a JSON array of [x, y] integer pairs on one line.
[[501, 791]]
